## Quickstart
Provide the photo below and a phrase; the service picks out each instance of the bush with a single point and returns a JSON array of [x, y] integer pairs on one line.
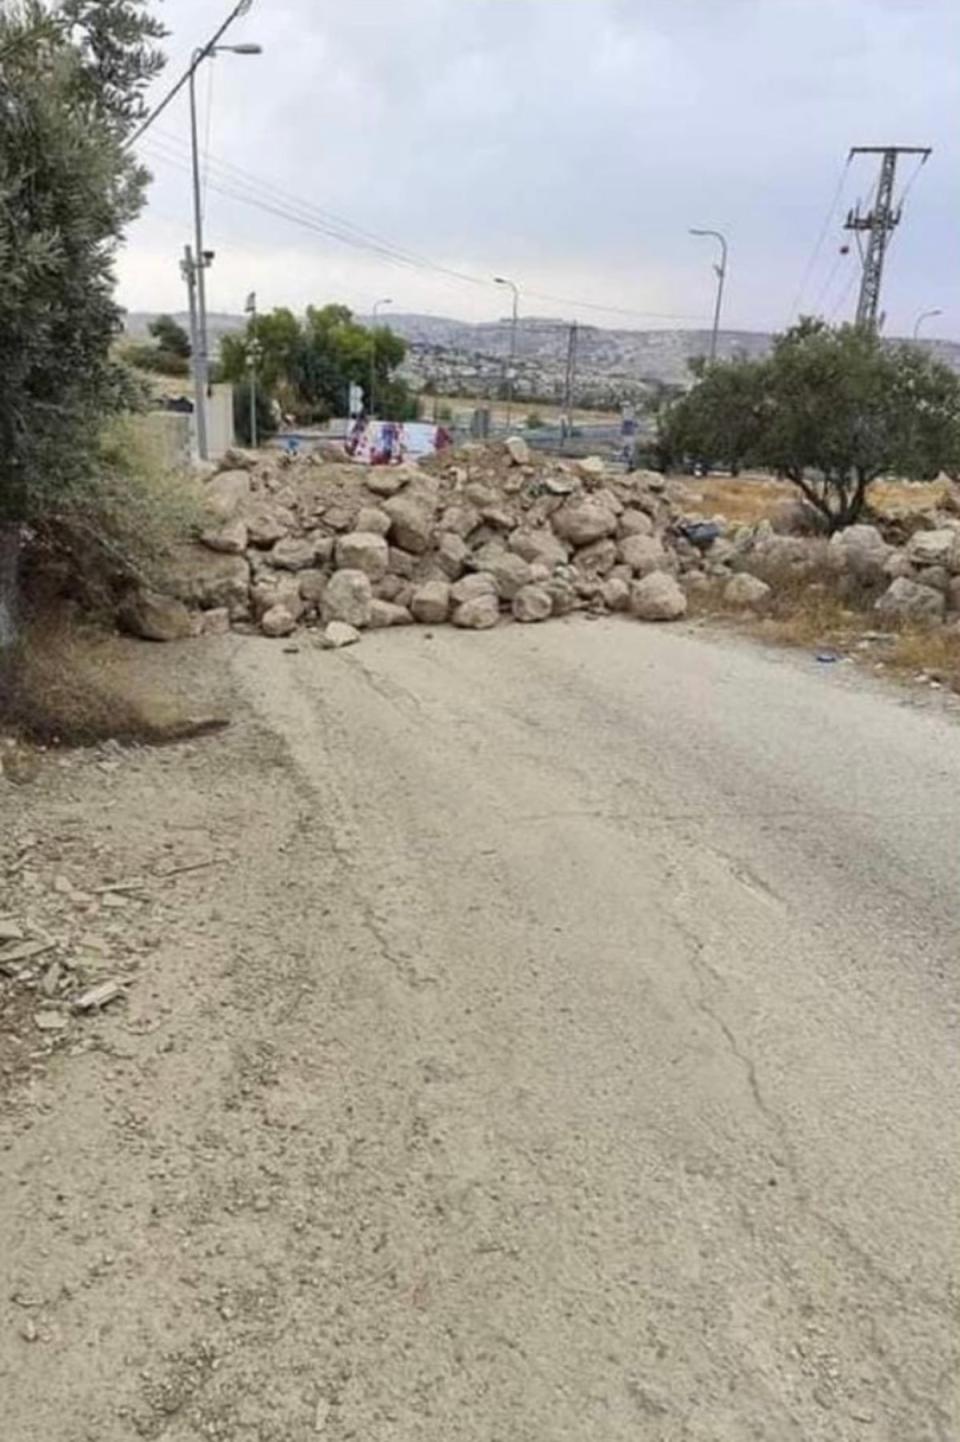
[[119, 523], [158, 362], [534, 421]]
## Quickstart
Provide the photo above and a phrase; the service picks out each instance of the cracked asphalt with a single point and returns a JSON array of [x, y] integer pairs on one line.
[[578, 1060]]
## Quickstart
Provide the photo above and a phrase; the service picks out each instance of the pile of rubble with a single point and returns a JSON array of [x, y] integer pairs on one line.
[[480, 533]]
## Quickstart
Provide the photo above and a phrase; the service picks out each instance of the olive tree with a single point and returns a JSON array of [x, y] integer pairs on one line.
[[72, 77]]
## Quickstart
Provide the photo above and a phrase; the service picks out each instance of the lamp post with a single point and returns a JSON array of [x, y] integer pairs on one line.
[[502, 280], [721, 272], [203, 258], [254, 352], [924, 315], [373, 353]]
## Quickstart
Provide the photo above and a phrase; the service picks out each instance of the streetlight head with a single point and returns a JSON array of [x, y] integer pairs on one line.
[[500, 280], [244, 49]]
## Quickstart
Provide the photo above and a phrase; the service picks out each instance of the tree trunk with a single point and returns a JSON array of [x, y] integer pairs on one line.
[[10, 537]]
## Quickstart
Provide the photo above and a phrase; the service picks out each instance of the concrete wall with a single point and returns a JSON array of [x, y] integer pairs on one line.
[[176, 434]]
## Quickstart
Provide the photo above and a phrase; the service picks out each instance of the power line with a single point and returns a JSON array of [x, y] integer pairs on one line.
[[239, 9], [815, 253], [243, 186]]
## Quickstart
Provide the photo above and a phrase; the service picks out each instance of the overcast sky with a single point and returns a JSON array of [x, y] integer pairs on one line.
[[568, 144]]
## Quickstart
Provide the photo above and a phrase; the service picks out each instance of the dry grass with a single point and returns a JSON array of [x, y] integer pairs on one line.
[[757, 496], [68, 684]]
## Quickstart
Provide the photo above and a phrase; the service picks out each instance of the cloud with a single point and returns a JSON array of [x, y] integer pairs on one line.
[[570, 143]]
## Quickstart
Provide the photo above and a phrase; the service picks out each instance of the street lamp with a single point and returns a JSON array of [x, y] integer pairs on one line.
[[373, 353], [924, 315], [203, 258], [721, 271], [502, 280]]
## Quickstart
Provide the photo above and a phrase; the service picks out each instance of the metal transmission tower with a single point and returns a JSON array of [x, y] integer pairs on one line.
[[880, 222]]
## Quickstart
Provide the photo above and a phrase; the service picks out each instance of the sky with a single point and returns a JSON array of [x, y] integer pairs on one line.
[[566, 144]]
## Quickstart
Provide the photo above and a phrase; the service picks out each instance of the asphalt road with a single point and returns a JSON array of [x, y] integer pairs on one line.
[[673, 928], [564, 1048]]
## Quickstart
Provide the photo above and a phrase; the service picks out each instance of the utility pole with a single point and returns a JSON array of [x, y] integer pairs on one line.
[[721, 273], [511, 371], [188, 270], [880, 222], [570, 375], [254, 351], [203, 257], [371, 401]]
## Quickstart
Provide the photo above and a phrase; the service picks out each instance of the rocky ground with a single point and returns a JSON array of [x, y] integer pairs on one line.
[[470, 536]]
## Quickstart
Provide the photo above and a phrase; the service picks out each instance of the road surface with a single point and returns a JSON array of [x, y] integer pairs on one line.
[[568, 1051]]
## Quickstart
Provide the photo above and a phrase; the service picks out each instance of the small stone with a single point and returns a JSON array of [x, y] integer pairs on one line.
[[277, 622], [231, 538], [293, 554], [337, 634], [215, 622], [51, 1020], [912, 602], [518, 450], [373, 519], [10, 931], [510, 573], [616, 593], [97, 997]]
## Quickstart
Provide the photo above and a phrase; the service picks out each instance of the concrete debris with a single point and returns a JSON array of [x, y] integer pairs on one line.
[[97, 997]]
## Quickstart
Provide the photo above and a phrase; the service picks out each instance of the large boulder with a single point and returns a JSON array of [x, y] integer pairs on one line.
[[935, 548], [643, 554], [347, 597], [372, 518], [532, 603], [471, 588], [268, 523], [387, 480], [208, 579], [538, 545], [510, 573], [615, 593], [279, 588], [658, 597], [225, 493], [431, 602], [363, 551], [597, 559], [908, 601], [591, 469], [518, 450], [411, 523], [634, 523], [583, 520], [452, 554], [155, 617], [293, 553], [861, 551], [230, 537], [386, 613], [747, 591], [478, 614], [460, 519], [563, 595]]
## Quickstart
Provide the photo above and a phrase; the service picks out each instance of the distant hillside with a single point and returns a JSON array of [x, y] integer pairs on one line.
[[466, 358]]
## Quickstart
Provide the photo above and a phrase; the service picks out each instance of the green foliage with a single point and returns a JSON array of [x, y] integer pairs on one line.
[[830, 409], [534, 421], [266, 413], [170, 336], [125, 516], [309, 366], [158, 362], [72, 77]]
